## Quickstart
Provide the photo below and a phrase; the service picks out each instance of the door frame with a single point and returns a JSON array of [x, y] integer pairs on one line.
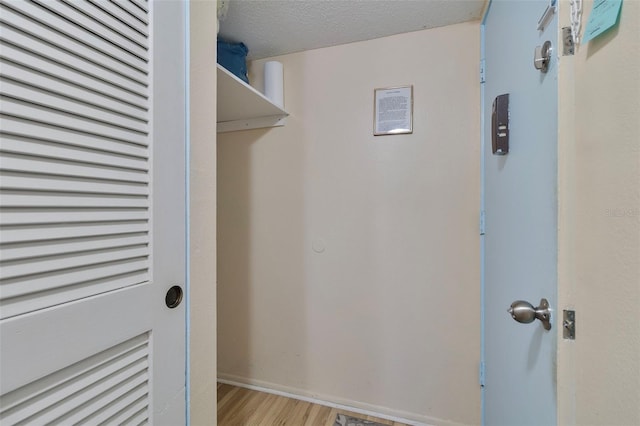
[[200, 286], [566, 374]]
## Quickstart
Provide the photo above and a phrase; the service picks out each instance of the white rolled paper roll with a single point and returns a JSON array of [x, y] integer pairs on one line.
[[274, 82]]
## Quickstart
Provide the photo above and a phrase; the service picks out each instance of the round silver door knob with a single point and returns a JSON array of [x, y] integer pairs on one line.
[[524, 312]]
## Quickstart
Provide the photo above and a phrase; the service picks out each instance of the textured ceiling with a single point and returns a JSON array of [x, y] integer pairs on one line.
[[276, 27]]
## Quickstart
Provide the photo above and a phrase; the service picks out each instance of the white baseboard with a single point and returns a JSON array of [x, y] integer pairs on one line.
[[342, 404]]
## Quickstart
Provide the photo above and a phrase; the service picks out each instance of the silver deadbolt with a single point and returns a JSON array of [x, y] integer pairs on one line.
[[542, 56], [525, 313]]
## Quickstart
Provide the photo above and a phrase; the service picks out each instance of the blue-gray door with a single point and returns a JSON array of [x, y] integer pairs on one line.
[[520, 203]]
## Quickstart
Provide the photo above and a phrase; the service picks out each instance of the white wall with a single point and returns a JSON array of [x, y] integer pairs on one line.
[[599, 373], [202, 219], [384, 313]]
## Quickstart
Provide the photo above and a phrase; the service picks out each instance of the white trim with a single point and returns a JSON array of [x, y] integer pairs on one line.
[[301, 395], [187, 202], [251, 123]]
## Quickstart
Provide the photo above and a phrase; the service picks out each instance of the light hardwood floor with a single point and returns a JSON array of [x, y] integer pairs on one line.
[[244, 407]]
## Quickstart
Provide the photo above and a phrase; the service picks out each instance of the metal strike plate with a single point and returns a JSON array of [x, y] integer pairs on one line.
[[569, 324], [568, 44]]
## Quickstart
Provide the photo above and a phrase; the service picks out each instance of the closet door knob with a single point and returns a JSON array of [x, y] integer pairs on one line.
[[173, 297], [525, 313]]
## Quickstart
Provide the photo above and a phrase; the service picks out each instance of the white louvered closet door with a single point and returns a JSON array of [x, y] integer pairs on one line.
[[92, 214]]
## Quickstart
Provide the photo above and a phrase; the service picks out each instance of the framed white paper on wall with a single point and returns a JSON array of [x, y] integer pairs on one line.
[[393, 111]]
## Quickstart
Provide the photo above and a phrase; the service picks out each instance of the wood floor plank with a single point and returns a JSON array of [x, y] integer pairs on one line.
[[318, 415], [259, 416], [300, 415], [243, 407], [331, 418], [223, 390], [250, 406], [284, 417], [270, 413], [226, 399], [235, 405]]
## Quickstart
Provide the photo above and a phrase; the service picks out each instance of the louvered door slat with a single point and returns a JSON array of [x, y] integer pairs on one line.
[[134, 8], [93, 24], [80, 109], [67, 393], [49, 116], [11, 216], [19, 74], [17, 181], [140, 419], [122, 407], [54, 280], [86, 81], [14, 269], [48, 396], [80, 201], [17, 163], [127, 16], [114, 17], [22, 234], [141, 4], [75, 39], [18, 145], [53, 117], [36, 300], [77, 407], [133, 388], [131, 413], [22, 251], [57, 133], [108, 361], [25, 41]]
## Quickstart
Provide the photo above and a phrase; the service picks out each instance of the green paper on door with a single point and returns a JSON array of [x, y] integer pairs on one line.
[[604, 15]]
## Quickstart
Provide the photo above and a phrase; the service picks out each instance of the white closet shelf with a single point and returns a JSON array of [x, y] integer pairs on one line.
[[241, 107]]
